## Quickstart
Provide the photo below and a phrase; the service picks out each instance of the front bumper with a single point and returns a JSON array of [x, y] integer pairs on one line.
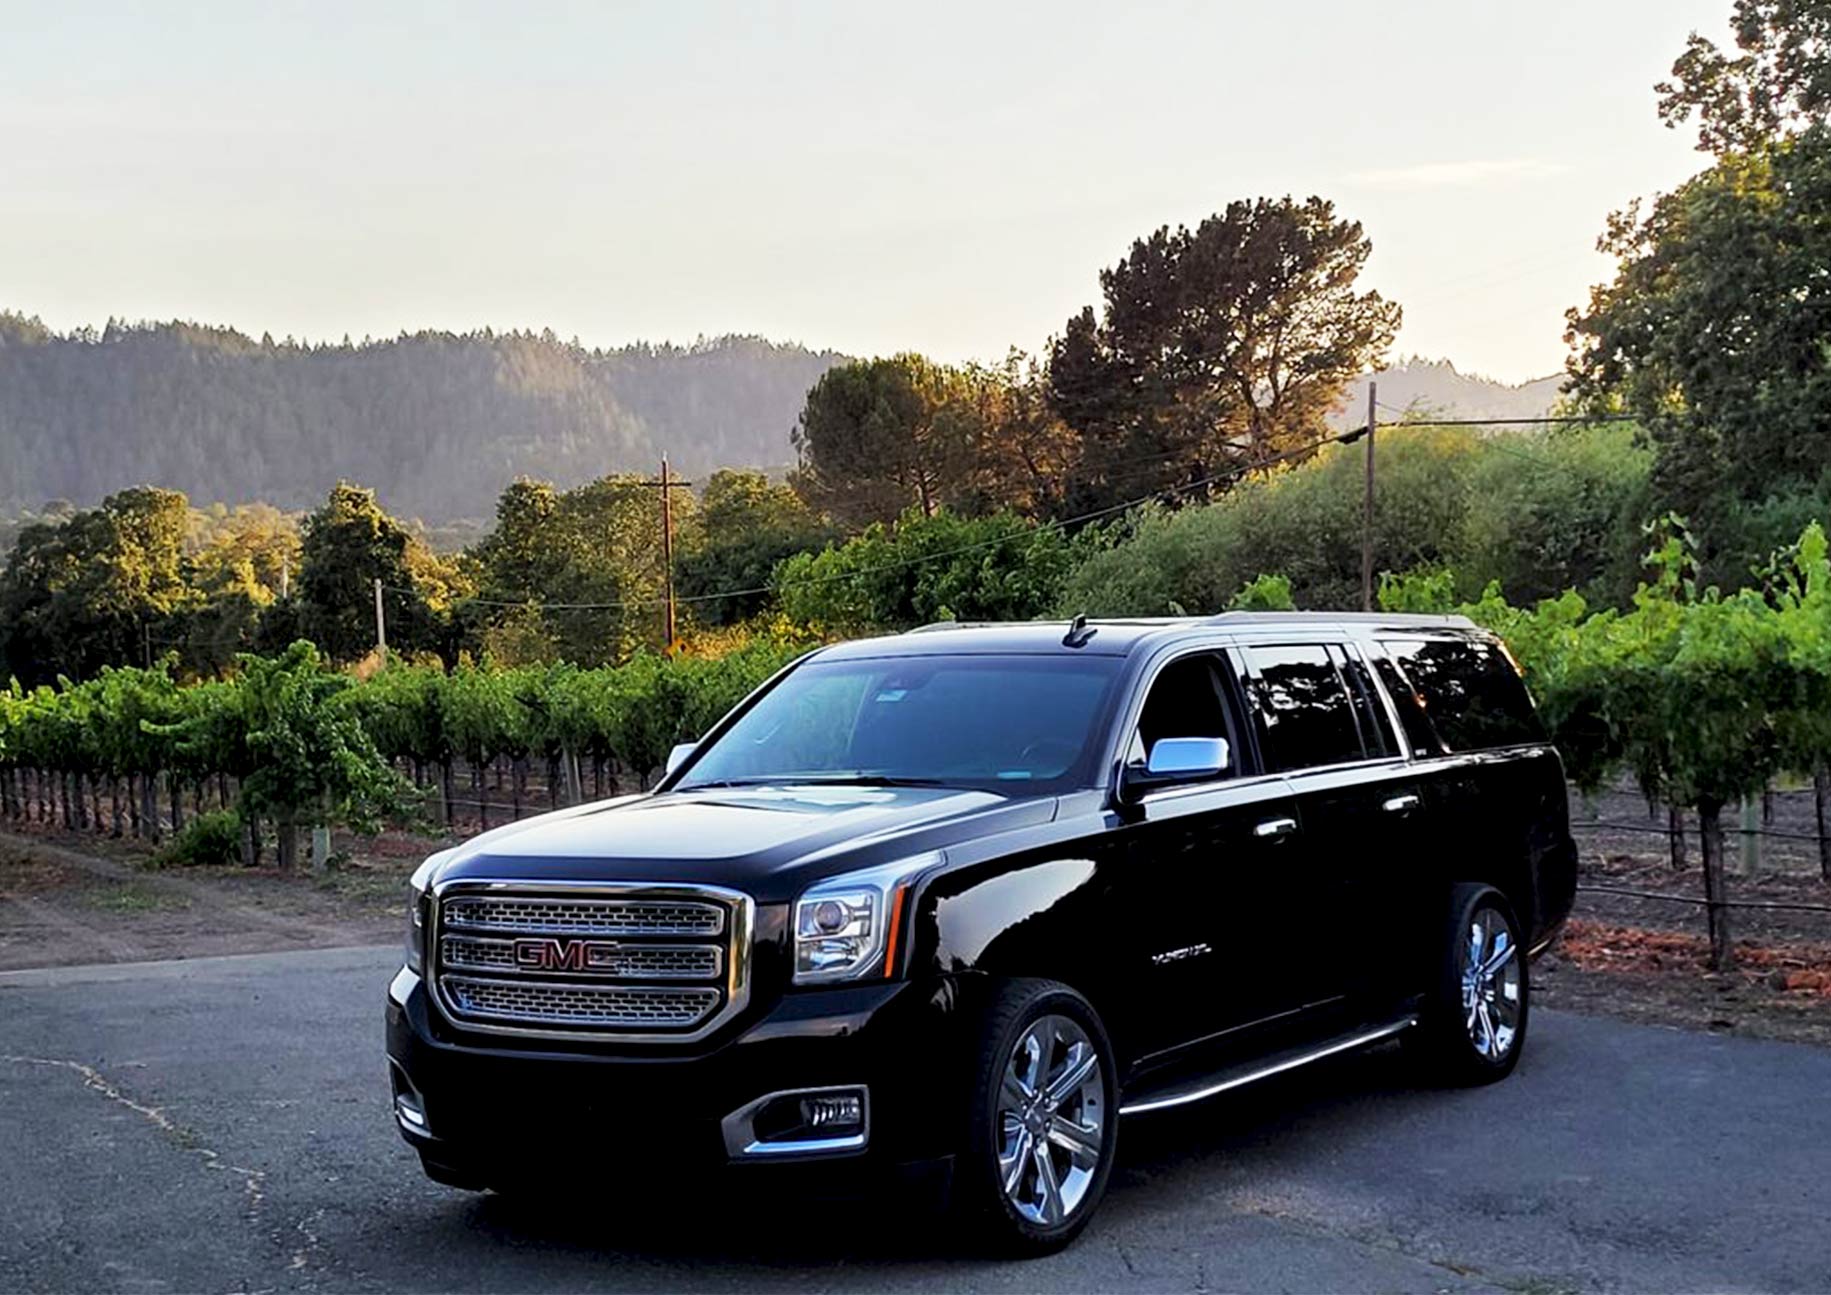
[[492, 1111]]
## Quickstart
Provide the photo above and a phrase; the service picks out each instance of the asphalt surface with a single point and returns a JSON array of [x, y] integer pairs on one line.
[[222, 1125]]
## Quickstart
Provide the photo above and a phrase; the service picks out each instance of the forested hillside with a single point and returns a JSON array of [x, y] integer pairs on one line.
[[437, 422]]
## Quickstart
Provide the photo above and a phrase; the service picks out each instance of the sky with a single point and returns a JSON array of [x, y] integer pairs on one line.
[[948, 178]]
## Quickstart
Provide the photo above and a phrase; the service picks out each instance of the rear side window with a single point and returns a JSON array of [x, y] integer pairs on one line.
[[1470, 691], [1410, 707], [1376, 732], [1304, 706]]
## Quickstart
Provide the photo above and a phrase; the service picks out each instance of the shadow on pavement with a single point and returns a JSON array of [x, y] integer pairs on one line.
[[760, 1221]]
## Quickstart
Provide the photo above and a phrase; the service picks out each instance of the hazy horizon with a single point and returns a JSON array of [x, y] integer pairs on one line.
[[845, 179]]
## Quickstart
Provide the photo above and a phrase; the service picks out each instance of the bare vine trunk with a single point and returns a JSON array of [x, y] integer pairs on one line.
[[1675, 839], [288, 832], [1710, 834], [1821, 802]]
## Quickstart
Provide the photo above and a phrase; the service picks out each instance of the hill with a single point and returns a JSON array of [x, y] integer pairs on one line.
[[1437, 387], [437, 423]]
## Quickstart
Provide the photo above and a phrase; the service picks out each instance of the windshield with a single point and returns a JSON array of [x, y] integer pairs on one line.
[[959, 721]]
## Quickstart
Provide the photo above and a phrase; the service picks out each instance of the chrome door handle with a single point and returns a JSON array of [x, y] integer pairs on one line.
[[1272, 827], [1401, 804]]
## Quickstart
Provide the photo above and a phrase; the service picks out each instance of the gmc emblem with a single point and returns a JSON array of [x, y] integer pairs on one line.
[[565, 955]]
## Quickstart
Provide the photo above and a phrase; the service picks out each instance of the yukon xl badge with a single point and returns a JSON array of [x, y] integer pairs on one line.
[[565, 955], [1178, 955]]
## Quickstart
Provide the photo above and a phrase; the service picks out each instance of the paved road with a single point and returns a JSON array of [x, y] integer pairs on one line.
[[221, 1125]]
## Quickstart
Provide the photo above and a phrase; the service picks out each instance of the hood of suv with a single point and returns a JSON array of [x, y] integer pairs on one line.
[[766, 840]]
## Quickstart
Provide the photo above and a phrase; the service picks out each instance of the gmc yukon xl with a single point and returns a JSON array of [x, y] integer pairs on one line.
[[965, 898]]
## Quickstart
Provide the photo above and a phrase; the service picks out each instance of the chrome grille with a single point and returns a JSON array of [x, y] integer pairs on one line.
[[629, 961], [608, 1006], [625, 961], [541, 916]]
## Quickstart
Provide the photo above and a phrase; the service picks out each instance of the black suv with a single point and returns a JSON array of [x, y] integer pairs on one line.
[[964, 897]]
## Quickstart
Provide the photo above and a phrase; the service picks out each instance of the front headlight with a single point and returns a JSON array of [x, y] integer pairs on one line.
[[418, 902], [846, 926]]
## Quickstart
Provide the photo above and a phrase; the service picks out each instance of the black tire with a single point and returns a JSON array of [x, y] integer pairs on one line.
[[451, 1176], [1468, 1041], [992, 1213]]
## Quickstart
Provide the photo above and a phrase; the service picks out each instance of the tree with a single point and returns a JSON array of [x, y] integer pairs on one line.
[[96, 589], [1716, 329], [1779, 84], [1216, 346], [877, 437], [576, 574], [349, 544], [747, 526], [1026, 455]]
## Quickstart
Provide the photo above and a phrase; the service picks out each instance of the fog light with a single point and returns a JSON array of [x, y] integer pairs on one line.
[[833, 1113], [410, 1113]]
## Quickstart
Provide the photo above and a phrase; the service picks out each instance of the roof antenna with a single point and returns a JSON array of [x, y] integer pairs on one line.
[[1078, 634]]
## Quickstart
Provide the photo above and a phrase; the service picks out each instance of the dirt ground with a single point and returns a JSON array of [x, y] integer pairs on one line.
[[68, 898], [1646, 960]]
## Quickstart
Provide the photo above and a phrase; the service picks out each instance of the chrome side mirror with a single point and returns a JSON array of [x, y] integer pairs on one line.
[[1189, 757], [678, 756], [1175, 760]]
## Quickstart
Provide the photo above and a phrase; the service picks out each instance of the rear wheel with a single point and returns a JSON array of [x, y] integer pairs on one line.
[[1474, 1021], [1043, 1122]]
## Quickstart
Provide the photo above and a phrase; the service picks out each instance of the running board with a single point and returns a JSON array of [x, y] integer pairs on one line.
[[1196, 1090]]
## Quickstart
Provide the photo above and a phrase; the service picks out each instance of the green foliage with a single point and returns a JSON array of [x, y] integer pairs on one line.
[[1526, 509], [210, 840], [307, 756], [923, 569], [1263, 593], [746, 527], [349, 544], [1713, 331], [94, 588], [552, 550], [1417, 591]]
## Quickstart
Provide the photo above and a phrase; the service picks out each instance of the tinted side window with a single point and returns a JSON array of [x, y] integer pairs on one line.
[[1187, 699], [1471, 692], [1376, 729], [1304, 706], [1405, 700]]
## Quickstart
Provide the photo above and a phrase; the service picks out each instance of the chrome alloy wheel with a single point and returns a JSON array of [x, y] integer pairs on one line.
[[1051, 1120], [1491, 984]]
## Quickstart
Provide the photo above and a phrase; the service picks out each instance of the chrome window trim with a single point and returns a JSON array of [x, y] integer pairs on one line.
[[737, 941]]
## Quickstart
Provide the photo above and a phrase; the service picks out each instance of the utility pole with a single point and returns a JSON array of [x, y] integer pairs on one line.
[[381, 624], [667, 485], [667, 555], [1367, 506]]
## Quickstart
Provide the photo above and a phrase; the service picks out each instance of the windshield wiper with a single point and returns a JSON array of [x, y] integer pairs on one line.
[[867, 780], [817, 780]]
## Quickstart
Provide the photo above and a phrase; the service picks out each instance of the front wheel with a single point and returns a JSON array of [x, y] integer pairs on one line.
[[1043, 1122], [1474, 1021]]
